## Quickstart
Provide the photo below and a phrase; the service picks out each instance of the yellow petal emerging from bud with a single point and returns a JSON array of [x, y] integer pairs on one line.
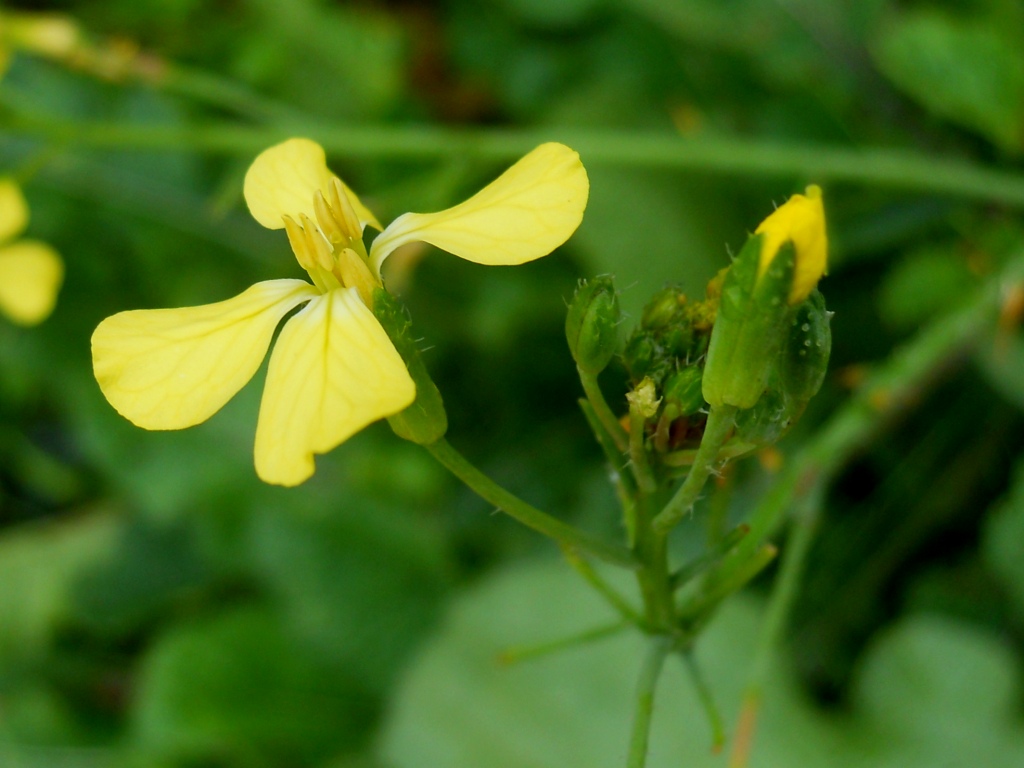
[[13, 209], [173, 368], [801, 220], [284, 179], [527, 212], [30, 276], [333, 371]]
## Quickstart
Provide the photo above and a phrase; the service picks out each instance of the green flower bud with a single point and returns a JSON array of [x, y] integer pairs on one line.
[[750, 326], [639, 354], [682, 392], [769, 419], [425, 421], [779, 266], [663, 308], [591, 326], [805, 353]]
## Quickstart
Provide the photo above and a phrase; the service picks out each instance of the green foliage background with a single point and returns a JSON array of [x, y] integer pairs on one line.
[[159, 606]]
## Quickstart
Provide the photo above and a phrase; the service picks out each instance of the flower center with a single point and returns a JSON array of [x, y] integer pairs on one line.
[[331, 248]]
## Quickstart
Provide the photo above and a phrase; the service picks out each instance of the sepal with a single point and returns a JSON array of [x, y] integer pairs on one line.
[[425, 421]]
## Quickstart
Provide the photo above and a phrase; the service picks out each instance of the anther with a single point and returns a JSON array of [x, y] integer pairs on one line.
[[316, 243], [355, 273], [341, 204], [326, 219], [297, 239]]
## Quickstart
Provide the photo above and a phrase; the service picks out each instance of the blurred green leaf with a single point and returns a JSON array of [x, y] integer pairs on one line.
[[239, 687], [39, 566], [930, 692], [360, 585], [967, 71]]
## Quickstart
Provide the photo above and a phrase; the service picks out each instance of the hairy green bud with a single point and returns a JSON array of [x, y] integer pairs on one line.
[[592, 324]]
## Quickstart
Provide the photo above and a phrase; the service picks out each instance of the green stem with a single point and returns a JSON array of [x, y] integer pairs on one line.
[[518, 653], [876, 167], [707, 701], [625, 486], [719, 425], [784, 592], [638, 451], [653, 576], [531, 517], [604, 413], [697, 608], [594, 579], [657, 649], [223, 93]]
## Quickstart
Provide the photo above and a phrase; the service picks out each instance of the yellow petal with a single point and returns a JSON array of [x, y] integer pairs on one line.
[[30, 276], [524, 214], [13, 209], [172, 368], [284, 179], [800, 220], [333, 371]]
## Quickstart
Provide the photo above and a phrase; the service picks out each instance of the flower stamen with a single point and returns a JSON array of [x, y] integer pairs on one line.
[[297, 240], [344, 212]]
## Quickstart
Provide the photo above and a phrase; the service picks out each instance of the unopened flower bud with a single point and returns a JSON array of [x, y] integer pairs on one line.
[[425, 421], [777, 269], [805, 353], [591, 325], [767, 421], [663, 308], [682, 392]]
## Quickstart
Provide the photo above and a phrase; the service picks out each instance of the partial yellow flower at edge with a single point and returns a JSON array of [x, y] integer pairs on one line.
[[31, 272], [333, 369], [800, 220]]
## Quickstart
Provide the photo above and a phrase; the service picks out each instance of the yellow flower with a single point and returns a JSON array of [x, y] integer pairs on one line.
[[801, 220], [30, 271], [333, 369]]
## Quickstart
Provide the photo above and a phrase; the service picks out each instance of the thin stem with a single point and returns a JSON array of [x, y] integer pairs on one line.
[[531, 517], [594, 579], [801, 534], [604, 413], [707, 700], [518, 653], [719, 425], [903, 169], [638, 450], [657, 649], [714, 552], [698, 606], [653, 576]]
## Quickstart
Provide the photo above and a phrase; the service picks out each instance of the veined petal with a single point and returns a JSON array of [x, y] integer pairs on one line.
[[173, 368], [333, 371], [524, 214], [284, 179], [30, 276], [13, 209]]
